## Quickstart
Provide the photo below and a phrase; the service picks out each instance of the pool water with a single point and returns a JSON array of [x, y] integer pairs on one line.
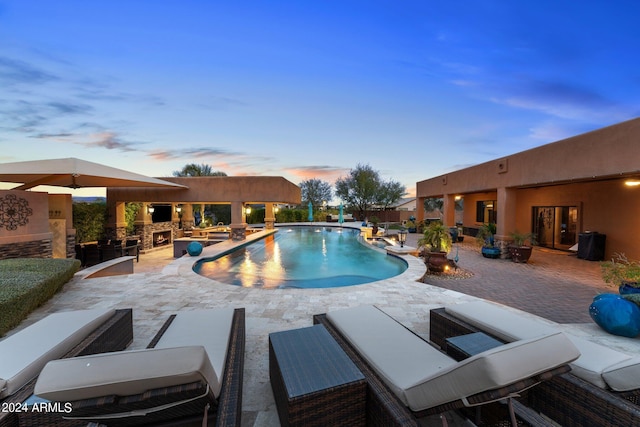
[[303, 257]]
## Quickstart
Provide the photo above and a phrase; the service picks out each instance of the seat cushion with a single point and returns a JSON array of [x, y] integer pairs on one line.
[[24, 354], [624, 375], [492, 369], [123, 373], [209, 328], [395, 353], [501, 322], [510, 325]]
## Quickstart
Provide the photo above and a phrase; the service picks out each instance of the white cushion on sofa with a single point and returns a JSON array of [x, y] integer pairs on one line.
[[623, 376], [394, 352], [123, 373], [499, 321], [423, 377], [24, 354], [492, 369], [509, 325], [209, 328]]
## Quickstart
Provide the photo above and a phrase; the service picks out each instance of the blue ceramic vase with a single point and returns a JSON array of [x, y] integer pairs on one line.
[[629, 288], [616, 315]]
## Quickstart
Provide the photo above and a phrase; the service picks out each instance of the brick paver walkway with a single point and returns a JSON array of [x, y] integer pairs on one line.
[[555, 285]]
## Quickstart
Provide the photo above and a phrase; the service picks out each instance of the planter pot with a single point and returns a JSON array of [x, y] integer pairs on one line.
[[629, 288], [413, 230], [436, 261], [490, 252], [520, 253], [616, 315]]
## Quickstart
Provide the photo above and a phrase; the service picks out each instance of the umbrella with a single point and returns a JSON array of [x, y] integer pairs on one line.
[[74, 173], [310, 217], [340, 217]]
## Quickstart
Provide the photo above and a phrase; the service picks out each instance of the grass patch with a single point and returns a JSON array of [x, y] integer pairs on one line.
[[27, 283]]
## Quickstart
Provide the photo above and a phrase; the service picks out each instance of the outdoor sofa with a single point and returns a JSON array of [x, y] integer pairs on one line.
[[410, 379], [190, 372], [58, 335], [603, 387]]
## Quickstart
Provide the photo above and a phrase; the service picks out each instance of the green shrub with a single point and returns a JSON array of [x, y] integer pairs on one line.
[[26, 283]]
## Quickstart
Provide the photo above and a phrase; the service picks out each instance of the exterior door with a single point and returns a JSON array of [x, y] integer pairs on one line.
[[555, 226]]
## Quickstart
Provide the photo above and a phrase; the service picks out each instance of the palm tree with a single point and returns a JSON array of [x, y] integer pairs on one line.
[[193, 169]]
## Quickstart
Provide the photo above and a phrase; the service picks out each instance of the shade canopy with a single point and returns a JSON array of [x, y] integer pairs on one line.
[[74, 173]]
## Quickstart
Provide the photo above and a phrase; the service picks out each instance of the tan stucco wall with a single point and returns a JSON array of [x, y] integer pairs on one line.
[[217, 189], [37, 221], [608, 152]]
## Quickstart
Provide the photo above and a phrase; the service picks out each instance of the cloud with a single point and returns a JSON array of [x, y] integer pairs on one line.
[[191, 153], [325, 173], [14, 72]]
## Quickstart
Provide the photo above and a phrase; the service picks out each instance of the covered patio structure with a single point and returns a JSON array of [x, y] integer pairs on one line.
[[237, 191]]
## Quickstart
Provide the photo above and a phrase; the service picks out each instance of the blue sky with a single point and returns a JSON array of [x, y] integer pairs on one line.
[[309, 89]]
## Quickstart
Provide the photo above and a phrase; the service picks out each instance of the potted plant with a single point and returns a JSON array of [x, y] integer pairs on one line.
[[622, 273], [521, 248], [411, 226], [374, 221], [437, 242], [486, 240]]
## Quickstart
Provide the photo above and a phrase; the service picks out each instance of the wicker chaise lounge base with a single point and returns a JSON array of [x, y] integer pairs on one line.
[[436, 393], [114, 334], [197, 355], [566, 399]]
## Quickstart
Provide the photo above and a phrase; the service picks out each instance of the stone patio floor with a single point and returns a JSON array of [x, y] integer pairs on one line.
[[554, 284]]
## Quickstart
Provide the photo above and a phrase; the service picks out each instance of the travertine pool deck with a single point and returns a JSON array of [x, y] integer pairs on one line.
[[161, 286]]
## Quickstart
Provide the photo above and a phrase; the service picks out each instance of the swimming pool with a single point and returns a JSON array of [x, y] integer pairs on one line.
[[303, 257]]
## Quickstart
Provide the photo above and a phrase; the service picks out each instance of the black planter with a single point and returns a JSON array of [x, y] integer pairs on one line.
[[520, 253]]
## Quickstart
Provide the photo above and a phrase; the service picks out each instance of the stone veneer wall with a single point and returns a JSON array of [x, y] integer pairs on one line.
[[31, 249], [146, 232]]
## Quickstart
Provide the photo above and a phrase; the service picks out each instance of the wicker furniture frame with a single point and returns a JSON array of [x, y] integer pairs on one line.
[[384, 408], [314, 382], [566, 399], [224, 411], [115, 334]]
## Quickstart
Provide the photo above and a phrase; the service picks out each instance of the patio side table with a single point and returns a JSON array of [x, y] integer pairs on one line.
[[464, 346], [314, 382]]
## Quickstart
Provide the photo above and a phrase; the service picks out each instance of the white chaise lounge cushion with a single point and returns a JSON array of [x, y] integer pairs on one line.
[[123, 373], [210, 328], [423, 377], [597, 364], [24, 354]]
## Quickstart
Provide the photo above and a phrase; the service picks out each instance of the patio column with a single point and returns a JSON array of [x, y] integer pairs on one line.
[[506, 218], [449, 210], [187, 216], [238, 221], [116, 227], [269, 216], [419, 209]]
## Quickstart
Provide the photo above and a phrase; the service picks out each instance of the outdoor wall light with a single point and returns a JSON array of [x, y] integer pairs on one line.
[[247, 210], [178, 209], [632, 182], [276, 209], [402, 237], [150, 209]]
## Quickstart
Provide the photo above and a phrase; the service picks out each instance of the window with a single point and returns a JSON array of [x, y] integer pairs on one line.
[[486, 211]]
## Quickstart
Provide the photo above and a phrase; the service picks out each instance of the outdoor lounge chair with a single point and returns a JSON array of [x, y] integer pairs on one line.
[[191, 372], [584, 396], [409, 379], [59, 335]]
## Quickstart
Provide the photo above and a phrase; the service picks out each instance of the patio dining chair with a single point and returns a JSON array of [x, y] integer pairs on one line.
[[410, 379], [192, 371]]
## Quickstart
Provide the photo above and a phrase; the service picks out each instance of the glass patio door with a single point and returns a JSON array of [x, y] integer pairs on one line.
[[555, 226]]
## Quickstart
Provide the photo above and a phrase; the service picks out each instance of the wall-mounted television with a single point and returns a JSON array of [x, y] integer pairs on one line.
[[161, 213]]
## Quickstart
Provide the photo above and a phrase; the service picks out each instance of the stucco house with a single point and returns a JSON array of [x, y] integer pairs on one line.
[[561, 191]]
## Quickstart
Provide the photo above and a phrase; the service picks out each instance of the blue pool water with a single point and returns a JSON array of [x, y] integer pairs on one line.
[[303, 257]]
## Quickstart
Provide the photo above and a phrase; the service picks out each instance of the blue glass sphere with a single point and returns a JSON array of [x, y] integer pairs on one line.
[[194, 248]]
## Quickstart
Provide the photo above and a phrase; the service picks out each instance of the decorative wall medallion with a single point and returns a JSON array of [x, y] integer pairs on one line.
[[14, 212]]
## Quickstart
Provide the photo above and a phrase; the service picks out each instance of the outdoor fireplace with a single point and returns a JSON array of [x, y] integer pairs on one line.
[[161, 238]]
